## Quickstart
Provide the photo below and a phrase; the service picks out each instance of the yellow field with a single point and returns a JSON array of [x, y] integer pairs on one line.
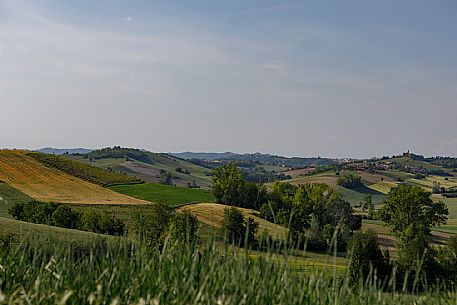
[[50, 185], [212, 214], [383, 186], [330, 180]]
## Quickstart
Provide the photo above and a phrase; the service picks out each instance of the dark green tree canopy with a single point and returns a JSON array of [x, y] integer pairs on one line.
[[228, 184], [410, 210]]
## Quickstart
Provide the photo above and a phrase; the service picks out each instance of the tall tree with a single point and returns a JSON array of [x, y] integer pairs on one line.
[[228, 184], [410, 212]]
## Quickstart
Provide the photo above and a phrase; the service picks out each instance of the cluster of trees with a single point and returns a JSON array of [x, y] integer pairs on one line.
[[84, 171], [446, 162], [162, 223], [59, 215], [167, 178], [260, 175], [118, 152], [182, 171], [238, 230], [350, 181], [230, 188], [410, 213], [315, 213]]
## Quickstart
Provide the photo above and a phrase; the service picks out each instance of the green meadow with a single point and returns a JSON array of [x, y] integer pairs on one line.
[[170, 195]]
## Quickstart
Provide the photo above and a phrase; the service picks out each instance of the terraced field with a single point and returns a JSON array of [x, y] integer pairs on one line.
[[51, 185], [212, 214]]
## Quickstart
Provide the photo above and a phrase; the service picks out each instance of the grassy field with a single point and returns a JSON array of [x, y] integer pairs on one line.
[[396, 175], [166, 194], [212, 214], [122, 274], [357, 195], [383, 186], [10, 196], [47, 184], [327, 178]]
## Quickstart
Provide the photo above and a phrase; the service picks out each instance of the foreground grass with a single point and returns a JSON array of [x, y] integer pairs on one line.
[[166, 194], [128, 274]]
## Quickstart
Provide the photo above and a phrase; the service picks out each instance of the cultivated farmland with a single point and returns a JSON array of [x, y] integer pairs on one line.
[[51, 185]]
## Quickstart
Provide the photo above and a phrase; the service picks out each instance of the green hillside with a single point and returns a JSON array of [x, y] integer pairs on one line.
[[147, 166], [166, 194], [10, 196]]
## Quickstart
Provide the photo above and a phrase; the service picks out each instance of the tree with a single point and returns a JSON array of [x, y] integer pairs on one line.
[[350, 181], [233, 226], [183, 227], [366, 257], [410, 212], [236, 229], [228, 184], [65, 217], [152, 228]]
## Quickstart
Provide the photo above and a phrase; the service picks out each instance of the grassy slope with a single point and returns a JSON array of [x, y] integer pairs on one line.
[[22, 230], [150, 172], [170, 195], [354, 196], [212, 214], [47, 184], [10, 196]]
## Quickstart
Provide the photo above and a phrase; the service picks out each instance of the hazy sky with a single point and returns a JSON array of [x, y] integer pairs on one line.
[[298, 78]]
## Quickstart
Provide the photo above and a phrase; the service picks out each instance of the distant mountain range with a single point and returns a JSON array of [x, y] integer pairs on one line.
[[61, 151]]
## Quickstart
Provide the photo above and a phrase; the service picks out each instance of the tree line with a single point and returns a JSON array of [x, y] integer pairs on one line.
[[60, 215], [316, 213]]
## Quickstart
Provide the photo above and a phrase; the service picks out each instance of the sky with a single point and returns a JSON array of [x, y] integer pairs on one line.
[[352, 78]]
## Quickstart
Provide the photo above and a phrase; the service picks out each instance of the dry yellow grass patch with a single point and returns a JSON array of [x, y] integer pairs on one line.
[[212, 214], [50, 185], [294, 173], [314, 179], [373, 178]]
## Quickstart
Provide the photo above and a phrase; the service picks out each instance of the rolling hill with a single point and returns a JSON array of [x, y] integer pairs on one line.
[[148, 166], [47, 184], [212, 214]]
